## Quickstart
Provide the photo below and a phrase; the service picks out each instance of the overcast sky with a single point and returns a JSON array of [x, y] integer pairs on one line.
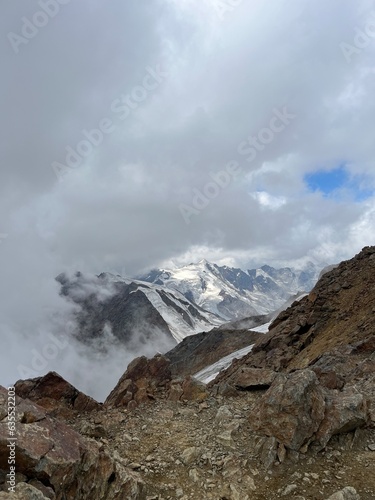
[[216, 75], [141, 133]]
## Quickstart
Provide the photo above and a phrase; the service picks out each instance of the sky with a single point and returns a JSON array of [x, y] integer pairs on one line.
[[160, 132]]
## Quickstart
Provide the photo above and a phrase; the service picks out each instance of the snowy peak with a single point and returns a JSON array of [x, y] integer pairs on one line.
[[233, 293], [133, 309]]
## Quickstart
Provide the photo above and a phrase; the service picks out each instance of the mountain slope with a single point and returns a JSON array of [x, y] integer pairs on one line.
[[232, 293], [133, 311], [336, 315]]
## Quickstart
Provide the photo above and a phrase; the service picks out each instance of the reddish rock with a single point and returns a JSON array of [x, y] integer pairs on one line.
[[51, 452], [193, 390], [143, 378], [253, 378], [56, 395], [291, 410]]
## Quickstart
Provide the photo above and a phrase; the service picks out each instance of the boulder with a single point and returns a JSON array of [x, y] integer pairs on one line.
[[52, 453], [142, 380], [345, 412], [23, 491], [248, 378], [56, 395], [347, 493], [291, 410], [193, 390]]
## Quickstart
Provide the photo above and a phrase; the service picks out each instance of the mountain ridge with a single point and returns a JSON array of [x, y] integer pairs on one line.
[[232, 293]]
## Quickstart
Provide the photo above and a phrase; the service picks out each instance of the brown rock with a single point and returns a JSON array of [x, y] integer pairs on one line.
[[54, 454], [56, 395], [24, 491], [175, 392], [292, 409], [143, 378], [253, 378], [193, 390], [345, 412]]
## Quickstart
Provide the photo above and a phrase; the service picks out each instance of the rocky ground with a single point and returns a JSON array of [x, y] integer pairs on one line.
[[207, 450]]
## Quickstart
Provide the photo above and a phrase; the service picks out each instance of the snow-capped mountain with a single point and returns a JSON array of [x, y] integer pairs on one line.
[[133, 311], [232, 293]]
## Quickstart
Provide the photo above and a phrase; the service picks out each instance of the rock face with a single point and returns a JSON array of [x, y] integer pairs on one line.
[[203, 349], [253, 378], [322, 347], [52, 453], [145, 379], [298, 411], [141, 381], [56, 395], [292, 409]]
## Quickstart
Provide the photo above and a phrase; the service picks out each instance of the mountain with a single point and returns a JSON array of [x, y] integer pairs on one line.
[[232, 293], [132, 311], [292, 417]]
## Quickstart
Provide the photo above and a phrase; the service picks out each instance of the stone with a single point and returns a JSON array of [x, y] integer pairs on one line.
[[347, 493], [288, 490], [24, 491], [193, 390], [193, 474], [47, 491], [345, 412], [225, 438], [249, 483], [253, 378], [175, 392], [142, 379], [292, 409], [190, 455], [267, 448], [56, 395], [223, 414], [132, 405], [281, 453], [51, 452]]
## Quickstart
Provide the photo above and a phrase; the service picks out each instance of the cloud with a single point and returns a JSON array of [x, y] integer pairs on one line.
[[117, 209]]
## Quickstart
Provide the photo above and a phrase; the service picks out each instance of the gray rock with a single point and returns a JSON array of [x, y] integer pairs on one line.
[[23, 491], [292, 409], [223, 414], [288, 489], [347, 493], [190, 455]]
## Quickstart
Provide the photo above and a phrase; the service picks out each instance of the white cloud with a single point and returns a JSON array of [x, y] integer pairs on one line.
[[119, 209]]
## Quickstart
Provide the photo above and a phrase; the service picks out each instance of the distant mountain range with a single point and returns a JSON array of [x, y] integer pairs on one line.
[[165, 306], [232, 293], [134, 312]]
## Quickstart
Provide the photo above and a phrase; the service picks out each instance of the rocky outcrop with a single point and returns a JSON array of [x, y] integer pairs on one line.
[[53, 454], [338, 312], [203, 349], [142, 381], [322, 348], [253, 378], [56, 395], [148, 379], [291, 410], [298, 411]]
